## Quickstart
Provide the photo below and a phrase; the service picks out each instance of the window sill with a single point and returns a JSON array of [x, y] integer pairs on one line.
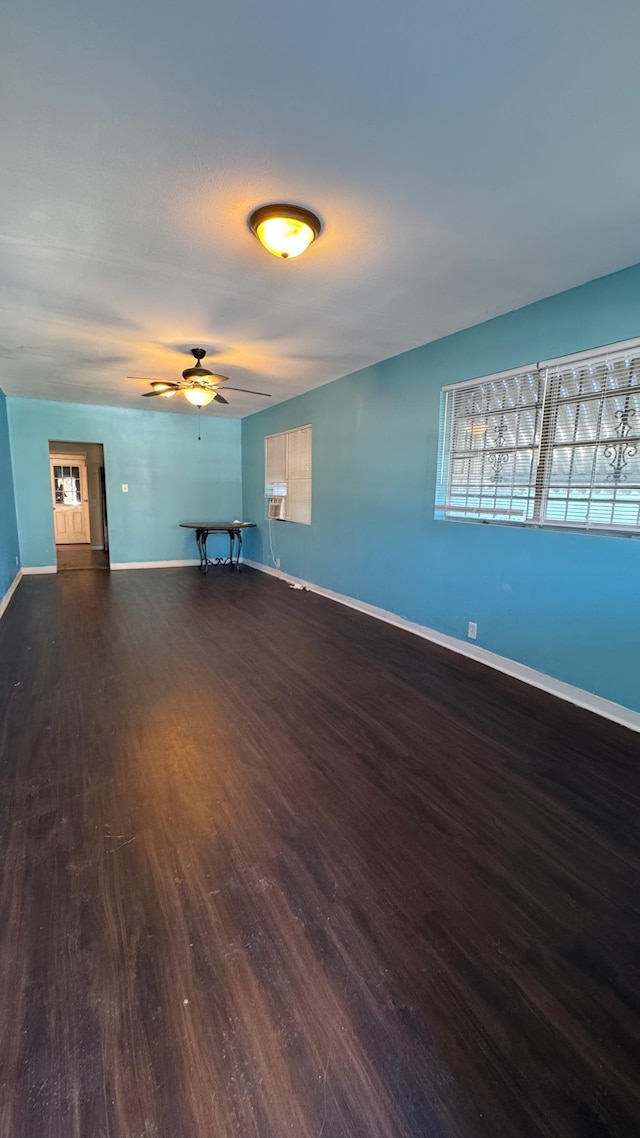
[[559, 527]]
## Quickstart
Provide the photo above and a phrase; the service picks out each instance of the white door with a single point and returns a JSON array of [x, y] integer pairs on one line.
[[70, 500]]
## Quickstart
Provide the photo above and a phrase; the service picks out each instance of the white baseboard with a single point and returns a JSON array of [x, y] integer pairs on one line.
[[9, 593], [32, 570], [153, 564], [596, 703]]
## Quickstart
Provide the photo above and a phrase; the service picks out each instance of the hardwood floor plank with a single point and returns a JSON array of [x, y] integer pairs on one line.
[[271, 868]]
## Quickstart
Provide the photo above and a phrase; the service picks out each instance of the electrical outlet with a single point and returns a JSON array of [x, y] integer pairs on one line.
[[16, 561], [277, 562], [125, 488], [472, 630]]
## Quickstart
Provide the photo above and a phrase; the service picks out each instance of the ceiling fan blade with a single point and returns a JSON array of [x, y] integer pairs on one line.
[[152, 379], [248, 392], [150, 394], [220, 398]]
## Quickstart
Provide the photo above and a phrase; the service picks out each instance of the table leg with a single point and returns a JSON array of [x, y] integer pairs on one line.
[[201, 542], [235, 545]]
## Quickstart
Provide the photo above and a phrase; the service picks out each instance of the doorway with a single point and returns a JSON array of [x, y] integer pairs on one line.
[[79, 504]]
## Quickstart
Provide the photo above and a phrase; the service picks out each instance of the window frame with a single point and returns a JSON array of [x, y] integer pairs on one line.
[[546, 442]]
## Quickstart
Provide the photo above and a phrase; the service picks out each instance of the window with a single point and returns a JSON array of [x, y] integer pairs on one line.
[[555, 444], [288, 473], [67, 485]]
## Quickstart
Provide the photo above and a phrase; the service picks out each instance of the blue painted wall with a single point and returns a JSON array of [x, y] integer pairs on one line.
[[567, 604], [171, 476], [8, 527]]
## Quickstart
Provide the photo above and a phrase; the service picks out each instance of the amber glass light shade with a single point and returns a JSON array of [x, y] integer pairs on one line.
[[199, 396], [285, 230]]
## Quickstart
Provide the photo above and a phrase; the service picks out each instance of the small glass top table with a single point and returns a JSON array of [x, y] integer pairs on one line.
[[234, 529]]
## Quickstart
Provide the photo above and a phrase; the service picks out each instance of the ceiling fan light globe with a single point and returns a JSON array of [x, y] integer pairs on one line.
[[199, 396], [159, 385]]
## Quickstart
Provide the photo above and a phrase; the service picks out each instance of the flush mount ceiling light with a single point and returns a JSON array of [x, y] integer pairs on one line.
[[285, 230]]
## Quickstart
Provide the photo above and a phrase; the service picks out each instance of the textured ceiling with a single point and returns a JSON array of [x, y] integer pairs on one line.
[[466, 156]]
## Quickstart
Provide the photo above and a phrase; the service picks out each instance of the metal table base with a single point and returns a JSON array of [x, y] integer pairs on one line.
[[203, 530], [235, 549]]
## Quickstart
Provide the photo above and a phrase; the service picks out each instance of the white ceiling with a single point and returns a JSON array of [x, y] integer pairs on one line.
[[466, 156]]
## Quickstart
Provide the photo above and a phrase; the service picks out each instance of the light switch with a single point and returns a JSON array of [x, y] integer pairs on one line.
[[125, 487]]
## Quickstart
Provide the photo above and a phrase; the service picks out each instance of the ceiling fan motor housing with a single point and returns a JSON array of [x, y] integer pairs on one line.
[[197, 372]]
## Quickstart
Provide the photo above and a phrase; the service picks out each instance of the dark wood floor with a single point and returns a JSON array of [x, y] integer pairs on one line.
[[80, 557], [272, 869]]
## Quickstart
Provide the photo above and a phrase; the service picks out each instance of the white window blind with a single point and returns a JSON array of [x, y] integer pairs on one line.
[[275, 465], [590, 438], [288, 472], [555, 445], [492, 429]]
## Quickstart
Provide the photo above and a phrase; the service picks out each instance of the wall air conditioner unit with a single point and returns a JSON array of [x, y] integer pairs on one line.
[[276, 508]]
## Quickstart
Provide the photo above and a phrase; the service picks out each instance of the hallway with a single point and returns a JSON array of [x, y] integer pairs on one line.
[[80, 557]]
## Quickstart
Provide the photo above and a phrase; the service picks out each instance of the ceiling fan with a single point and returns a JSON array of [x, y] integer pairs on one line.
[[198, 384]]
